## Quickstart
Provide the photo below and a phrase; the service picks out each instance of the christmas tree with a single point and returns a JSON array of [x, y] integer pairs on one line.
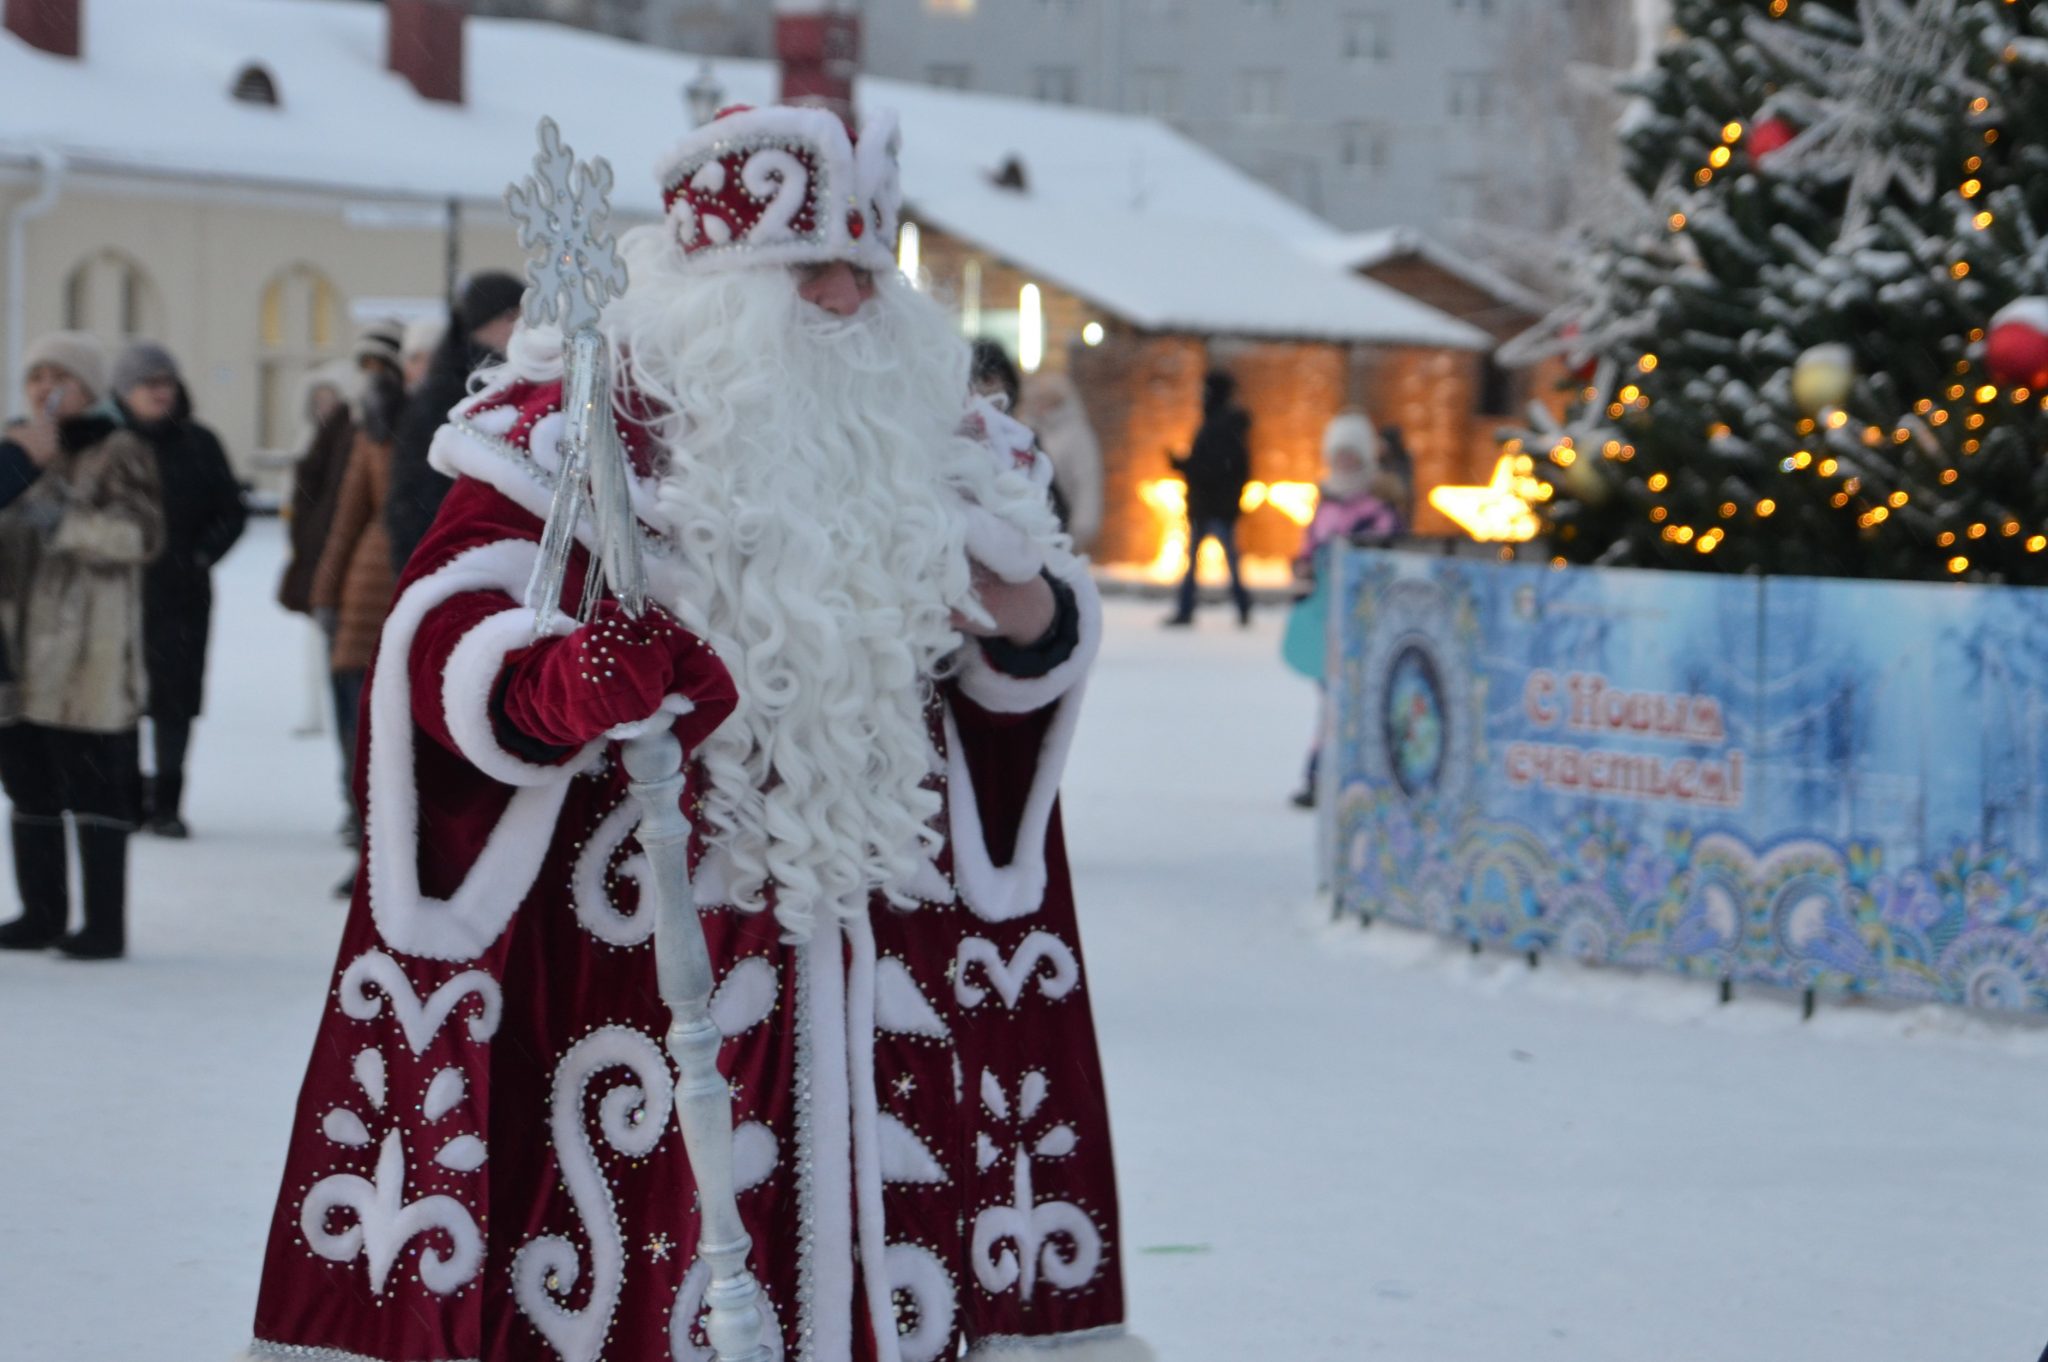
[[1817, 341]]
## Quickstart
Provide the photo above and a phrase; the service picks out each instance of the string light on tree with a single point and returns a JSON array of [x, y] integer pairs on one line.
[[1794, 337]]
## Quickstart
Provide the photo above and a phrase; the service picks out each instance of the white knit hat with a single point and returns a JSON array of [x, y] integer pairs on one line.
[[422, 337], [1352, 430], [77, 353]]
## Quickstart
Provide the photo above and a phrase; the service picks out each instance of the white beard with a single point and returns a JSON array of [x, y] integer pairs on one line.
[[815, 487]]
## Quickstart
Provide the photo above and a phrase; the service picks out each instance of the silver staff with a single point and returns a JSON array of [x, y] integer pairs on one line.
[[573, 269]]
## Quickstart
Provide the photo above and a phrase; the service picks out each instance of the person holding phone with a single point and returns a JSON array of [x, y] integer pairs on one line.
[[73, 545]]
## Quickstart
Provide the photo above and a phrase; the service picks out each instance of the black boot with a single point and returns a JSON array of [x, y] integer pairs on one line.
[[40, 876], [164, 812], [103, 857], [167, 793]]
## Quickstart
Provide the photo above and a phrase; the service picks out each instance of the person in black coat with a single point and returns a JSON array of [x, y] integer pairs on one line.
[[478, 330], [1216, 471], [203, 517]]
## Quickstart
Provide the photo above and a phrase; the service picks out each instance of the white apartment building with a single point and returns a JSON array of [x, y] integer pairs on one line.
[[1370, 113]]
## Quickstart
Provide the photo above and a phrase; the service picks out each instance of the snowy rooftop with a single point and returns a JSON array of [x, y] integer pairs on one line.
[[1121, 210], [1364, 250]]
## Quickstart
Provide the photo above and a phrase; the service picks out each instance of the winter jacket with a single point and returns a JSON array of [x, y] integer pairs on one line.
[[203, 517], [1363, 515], [1219, 465], [18, 473], [72, 553], [416, 489], [354, 577], [316, 486]]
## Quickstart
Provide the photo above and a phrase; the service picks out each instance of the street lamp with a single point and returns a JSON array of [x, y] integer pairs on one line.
[[704, 95]]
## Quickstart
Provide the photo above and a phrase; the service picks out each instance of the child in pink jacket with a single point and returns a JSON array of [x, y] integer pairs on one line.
[[1355, 502]]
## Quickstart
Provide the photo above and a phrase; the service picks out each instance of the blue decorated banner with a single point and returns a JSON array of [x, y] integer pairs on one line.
[[1814, 784]]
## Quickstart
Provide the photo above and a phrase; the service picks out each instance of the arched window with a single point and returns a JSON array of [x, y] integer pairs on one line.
[[254, 85], [111, 296], [300, 328]]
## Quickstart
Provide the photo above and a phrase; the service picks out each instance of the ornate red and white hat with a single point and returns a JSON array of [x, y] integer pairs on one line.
[[785, 186]]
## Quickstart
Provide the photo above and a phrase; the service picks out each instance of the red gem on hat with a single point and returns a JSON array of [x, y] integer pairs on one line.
[[855, 223]]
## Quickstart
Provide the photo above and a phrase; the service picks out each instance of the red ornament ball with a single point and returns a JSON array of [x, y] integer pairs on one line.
[[2016, 345], [1767, 135]]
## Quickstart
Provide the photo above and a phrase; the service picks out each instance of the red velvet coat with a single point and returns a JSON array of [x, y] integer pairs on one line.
[[484, 1164]]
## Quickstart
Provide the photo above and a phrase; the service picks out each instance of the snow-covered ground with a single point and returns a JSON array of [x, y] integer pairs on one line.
[[1335, 1144]]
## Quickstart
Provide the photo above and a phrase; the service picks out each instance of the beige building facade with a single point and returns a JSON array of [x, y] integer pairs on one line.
[[251, 289]]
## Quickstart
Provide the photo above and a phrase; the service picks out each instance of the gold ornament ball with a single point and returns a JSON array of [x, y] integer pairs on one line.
[[1586, 482], [1823, 377]]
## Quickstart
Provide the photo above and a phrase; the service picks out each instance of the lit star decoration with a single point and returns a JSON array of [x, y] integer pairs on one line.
[[1497, 513], [905, 1085]]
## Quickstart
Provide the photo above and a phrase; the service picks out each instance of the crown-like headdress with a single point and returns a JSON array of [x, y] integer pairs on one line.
[[784, 186]]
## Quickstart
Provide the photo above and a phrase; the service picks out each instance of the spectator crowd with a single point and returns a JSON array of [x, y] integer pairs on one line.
[[116, 503]]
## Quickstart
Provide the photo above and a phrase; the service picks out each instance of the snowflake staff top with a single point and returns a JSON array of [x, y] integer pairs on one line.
[[562, 209]]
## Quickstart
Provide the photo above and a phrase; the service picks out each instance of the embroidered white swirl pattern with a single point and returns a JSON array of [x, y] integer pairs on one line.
[[631, 1118]]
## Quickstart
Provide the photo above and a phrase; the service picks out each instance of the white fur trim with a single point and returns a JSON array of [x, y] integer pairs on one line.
[[1092, 1345], [1001, 547], [1001, 893], [671, 708], [826, 1196], [466, 685], [869, 1151], [1003, 694], [464, 925], [479, 446], [262, 1351]]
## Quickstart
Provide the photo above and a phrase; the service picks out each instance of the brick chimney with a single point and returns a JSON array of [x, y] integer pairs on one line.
[[425, 45], [817, 43], [51, 25]]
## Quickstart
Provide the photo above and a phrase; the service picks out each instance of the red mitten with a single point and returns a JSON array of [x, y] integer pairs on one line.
[[615, 670]]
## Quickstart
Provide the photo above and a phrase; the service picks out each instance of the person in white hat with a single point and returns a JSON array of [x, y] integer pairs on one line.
[[872, 644]]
